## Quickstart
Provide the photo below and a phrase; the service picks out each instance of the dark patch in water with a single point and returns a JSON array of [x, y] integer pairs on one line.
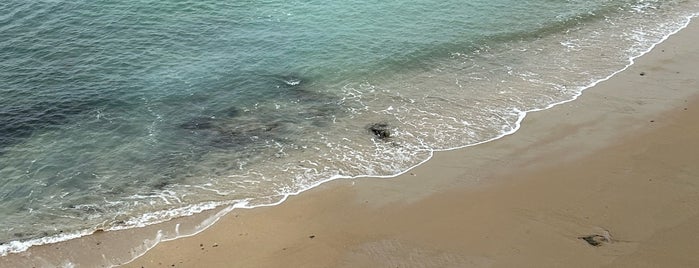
[[198, 123], [247, 133], [382, 131], [160, 185], [18, 122], [224, 132], [320, 110], [231, 112], [314, 105], [89, 210], [278, 111]]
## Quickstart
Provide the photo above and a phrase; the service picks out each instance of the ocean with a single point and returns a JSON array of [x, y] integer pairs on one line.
[[122, 114]]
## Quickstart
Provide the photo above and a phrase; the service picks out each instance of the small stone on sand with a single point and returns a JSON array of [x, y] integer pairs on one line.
[[594, 240]]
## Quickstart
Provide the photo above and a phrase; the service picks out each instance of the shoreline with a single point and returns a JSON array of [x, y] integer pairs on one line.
[[356, 222], [477, 180]]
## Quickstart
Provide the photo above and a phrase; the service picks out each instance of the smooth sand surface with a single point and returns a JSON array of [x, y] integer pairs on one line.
[[621, 162]]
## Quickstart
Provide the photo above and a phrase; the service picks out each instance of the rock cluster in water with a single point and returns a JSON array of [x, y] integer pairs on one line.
[[382, 131]]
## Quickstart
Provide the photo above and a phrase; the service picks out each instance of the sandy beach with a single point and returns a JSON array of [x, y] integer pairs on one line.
[[608, 180], [618, 166]]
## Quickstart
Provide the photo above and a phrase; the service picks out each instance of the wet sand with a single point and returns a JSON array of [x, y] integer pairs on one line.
[[619, 166]]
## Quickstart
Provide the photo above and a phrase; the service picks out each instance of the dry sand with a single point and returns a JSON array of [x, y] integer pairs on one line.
[[621, 162]]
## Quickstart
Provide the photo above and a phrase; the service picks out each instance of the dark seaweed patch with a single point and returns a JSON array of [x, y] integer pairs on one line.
[[296, 104], [226, 133], [18, 122]]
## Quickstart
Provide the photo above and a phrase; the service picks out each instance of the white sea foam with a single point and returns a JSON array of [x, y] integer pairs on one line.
[[20, 246], [156, 217]]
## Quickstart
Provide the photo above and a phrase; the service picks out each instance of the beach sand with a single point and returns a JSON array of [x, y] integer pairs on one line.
[[621, 162]]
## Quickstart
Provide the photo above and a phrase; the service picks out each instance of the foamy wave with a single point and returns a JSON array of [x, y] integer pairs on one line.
[[20, 246], [168, 214]]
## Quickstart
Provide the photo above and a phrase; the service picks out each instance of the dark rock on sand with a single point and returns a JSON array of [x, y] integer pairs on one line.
[[595, 240], [380, 130]]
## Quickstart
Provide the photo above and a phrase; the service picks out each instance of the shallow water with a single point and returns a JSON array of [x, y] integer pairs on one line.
[[115, 115]]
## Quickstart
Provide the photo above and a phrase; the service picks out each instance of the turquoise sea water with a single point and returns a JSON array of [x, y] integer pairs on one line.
[[116, 114]]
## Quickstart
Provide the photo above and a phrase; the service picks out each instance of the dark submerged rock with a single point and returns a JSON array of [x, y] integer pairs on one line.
[[380, 130]]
